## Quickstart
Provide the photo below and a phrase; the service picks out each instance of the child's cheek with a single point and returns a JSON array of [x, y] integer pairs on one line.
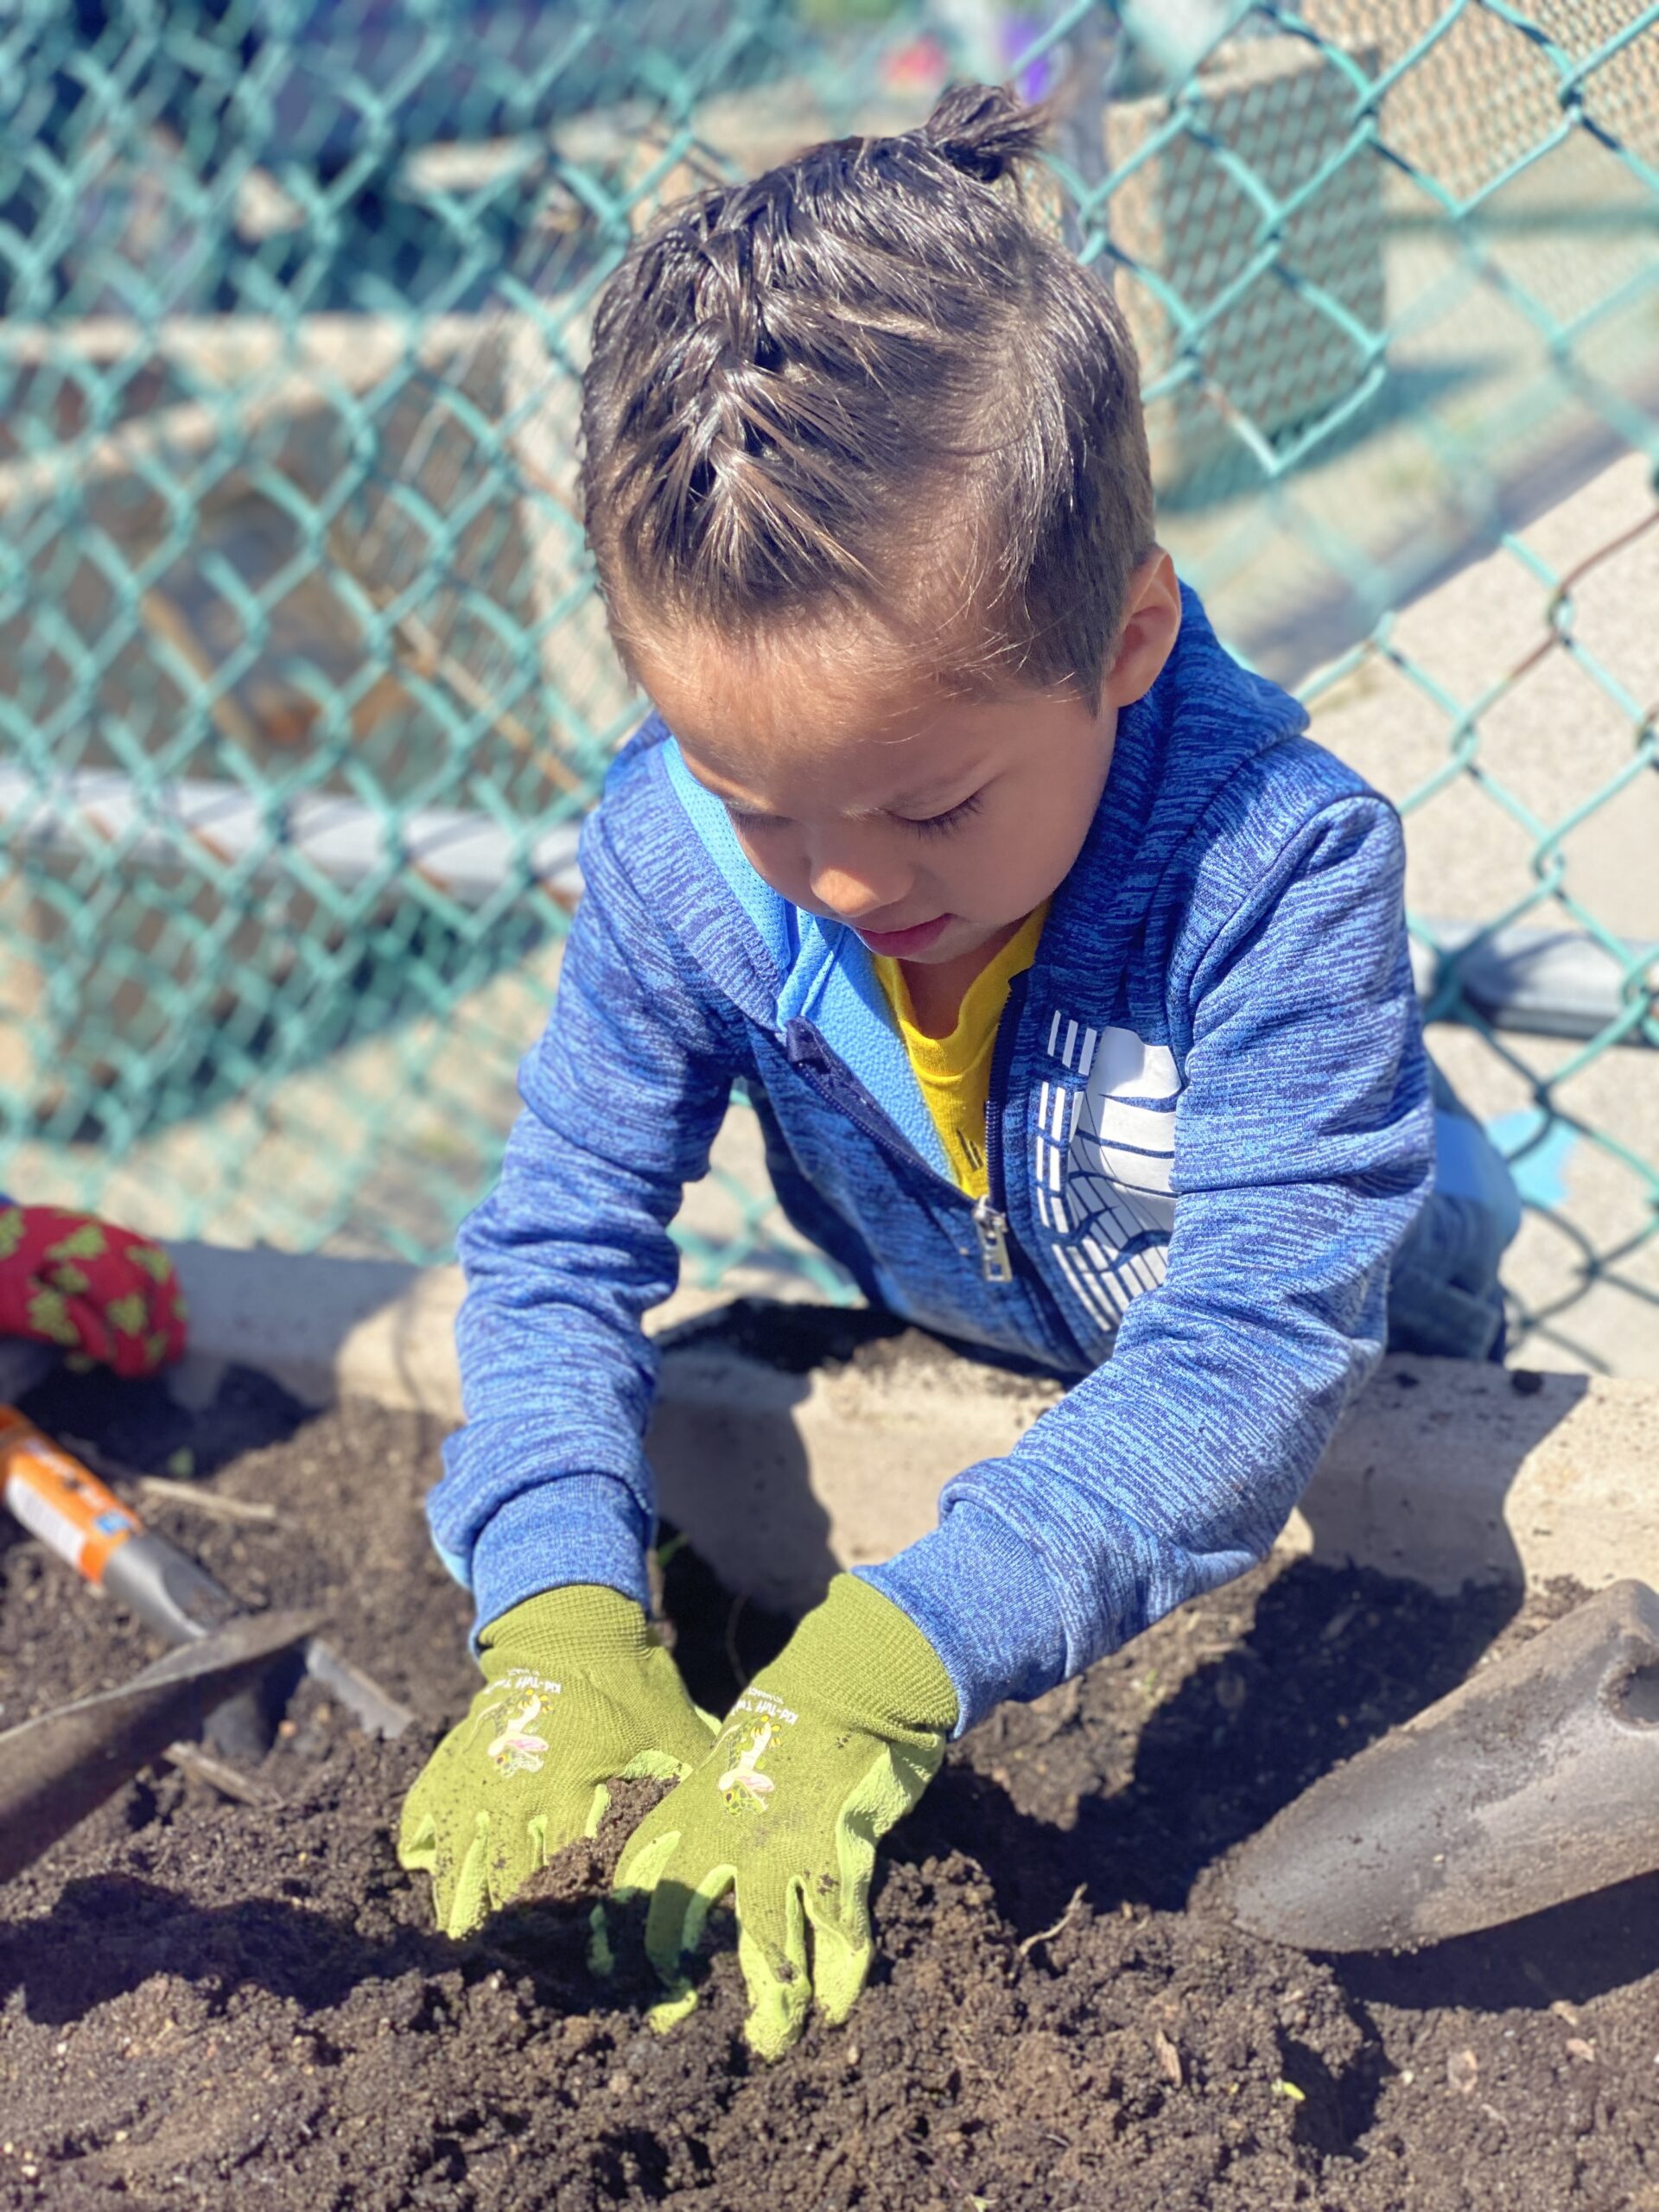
[[776, 863]]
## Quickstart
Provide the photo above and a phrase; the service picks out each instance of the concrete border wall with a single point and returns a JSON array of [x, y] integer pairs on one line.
[[1445, 1472]]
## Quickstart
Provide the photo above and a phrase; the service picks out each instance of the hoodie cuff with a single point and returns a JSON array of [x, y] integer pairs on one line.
[[984, 1600], [860, 1660], [574, 1528]]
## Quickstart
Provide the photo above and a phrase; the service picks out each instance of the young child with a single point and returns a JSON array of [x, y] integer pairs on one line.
[[1068, 979]]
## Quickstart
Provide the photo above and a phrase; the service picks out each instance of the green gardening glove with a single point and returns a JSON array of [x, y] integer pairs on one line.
[[824, 1750], [577, 1693]]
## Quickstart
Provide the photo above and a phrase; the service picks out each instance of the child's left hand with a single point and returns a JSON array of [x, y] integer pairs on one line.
[[70, 1280], [826, 1748]]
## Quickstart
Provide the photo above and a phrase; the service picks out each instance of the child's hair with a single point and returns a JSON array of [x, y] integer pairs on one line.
[[871, 379]]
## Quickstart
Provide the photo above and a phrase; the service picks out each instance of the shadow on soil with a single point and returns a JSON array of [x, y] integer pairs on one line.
[[1572, 1952], [140, 1424], [106, 1935]]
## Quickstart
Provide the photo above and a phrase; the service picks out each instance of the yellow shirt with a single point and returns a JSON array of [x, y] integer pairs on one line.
[[954, 1071]]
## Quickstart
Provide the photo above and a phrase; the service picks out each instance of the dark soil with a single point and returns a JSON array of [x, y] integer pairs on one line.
[[203, 2003]]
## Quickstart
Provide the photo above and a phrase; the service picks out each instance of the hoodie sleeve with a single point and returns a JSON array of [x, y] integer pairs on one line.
[[547, 1482], [1303, 1148]]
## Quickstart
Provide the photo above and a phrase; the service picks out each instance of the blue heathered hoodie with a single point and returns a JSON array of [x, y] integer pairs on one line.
[[1210, 1129]]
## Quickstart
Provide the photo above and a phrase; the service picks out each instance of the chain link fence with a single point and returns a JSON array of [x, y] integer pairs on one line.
[[304, 688]]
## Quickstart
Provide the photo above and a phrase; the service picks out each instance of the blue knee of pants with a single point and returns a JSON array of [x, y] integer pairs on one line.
[[1444, 1293]]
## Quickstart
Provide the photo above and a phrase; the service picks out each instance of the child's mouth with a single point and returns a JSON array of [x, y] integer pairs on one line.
[[905, 944]]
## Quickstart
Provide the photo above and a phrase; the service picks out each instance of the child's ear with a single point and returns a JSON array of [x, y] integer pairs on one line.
[[1149, 631]]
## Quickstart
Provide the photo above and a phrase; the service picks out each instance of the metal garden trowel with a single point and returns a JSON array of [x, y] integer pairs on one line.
[[1536, 1781], [64, 1504], [55, 1769]]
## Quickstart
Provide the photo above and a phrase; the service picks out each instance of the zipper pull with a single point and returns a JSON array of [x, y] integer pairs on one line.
[[991, 1226]]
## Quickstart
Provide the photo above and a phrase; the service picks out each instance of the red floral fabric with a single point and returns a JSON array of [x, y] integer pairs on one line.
[[71, 1280]]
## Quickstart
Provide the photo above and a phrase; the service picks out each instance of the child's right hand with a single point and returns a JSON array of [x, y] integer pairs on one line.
[[577, 1694]]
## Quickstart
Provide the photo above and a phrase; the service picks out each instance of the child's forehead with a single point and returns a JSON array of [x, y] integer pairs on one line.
[[826, 677], [791, 719]]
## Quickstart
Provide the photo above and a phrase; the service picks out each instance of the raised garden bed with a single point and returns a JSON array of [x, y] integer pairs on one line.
[[203, 2003]]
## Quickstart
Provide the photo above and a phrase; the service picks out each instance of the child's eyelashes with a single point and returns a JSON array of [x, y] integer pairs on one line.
[[757, 825], [930, 825]]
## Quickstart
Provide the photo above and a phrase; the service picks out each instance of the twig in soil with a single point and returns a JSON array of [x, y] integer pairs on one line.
[[111, 1470], [208, 1502], [245, 1788], [1024, 1949]]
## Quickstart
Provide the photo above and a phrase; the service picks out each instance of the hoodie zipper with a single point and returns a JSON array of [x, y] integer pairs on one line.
[[991, 1212], [806, 1050]]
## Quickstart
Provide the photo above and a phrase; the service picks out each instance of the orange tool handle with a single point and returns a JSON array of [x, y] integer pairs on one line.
[[59, 1500]]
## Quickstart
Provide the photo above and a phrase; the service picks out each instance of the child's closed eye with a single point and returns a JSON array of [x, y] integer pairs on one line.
[[752, 825], [930, 825]]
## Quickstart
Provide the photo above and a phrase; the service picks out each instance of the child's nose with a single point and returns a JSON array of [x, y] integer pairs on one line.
[[855, 891]]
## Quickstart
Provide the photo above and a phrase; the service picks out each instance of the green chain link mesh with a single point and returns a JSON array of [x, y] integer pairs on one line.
[[303, 686]]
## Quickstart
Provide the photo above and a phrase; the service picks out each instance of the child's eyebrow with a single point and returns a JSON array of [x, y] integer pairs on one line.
[[716, 787], [936, 798], [945, 788]]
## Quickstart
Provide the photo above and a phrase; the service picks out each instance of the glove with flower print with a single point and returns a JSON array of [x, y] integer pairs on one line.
[[577, 1694], [826, 1748]]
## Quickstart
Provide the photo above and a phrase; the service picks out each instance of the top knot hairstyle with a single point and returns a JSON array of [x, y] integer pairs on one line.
[[870, 380]]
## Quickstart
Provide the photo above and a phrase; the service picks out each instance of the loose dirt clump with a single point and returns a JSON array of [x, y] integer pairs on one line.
[[203, 2003], [584, 1869]]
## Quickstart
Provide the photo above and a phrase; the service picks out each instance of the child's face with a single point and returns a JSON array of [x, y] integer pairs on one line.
[[930, 823]]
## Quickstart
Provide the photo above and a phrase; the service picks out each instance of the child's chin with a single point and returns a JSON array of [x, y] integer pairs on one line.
[[964, 937]]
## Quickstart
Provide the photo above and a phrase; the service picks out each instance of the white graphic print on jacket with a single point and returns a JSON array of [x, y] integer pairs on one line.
[[1105, 1144]]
